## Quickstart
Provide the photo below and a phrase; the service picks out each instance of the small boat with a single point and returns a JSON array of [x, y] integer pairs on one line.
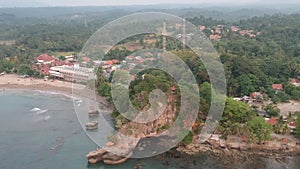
[[93, 125], [93, 113]]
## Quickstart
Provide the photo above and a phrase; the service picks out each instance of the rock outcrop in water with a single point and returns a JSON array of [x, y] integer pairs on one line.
[[114, 153], [108, 158]]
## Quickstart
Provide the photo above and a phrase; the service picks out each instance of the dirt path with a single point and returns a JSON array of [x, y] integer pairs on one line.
[[292, 106]]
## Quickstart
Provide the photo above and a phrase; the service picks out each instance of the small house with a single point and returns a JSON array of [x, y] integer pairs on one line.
[[173, 89], [272, 121], [295, 82], [45, 59], [277, 87]]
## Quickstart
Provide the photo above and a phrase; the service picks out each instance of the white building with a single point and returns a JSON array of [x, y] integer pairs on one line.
[[73, 73]]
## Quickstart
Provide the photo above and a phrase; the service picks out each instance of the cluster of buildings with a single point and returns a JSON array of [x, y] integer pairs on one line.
[[250, 33], [44, 62], [257, 97], [129, 63], [274, 121], [216, 34], [67, 70]]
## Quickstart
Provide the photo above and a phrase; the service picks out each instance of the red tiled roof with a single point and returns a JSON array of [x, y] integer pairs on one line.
[[115, 61], [202, 28], [109, 62], [277, 86], [45, 58], [130, 57], [285, 140], [173, 88], [252, 35], [214, 37], [272, 121], [244, 138]]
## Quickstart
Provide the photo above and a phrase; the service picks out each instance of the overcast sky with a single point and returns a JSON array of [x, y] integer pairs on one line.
[[128, 2], [132, 2]]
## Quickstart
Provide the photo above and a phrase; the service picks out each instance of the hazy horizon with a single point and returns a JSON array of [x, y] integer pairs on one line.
[[66, 3]]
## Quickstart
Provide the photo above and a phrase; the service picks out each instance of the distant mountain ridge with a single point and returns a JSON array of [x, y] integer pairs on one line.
[[226, 13], [20, 3]]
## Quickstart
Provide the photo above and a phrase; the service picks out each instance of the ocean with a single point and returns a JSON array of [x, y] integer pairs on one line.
[[41, 131]]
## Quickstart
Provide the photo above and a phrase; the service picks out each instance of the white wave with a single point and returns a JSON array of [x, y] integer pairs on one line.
[[35, 109], [79, 101], [46, 118], [41, 111]]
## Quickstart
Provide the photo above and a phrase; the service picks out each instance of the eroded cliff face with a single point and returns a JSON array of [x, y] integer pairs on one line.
[[129, 135]]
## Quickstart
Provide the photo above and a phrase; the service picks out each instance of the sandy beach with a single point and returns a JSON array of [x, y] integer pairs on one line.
[[15, 82]]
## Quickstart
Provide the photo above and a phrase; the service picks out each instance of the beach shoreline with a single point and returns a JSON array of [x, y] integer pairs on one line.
[[12, 82]]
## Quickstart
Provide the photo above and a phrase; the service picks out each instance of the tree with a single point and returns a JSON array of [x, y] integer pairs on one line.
[[62, 58], [104, 89], [272, 110], [205, 92], [246, 85], [24, 69], [260, 129], [236, 112]]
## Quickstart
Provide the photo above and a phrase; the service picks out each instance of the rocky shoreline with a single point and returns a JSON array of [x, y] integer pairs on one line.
[[108, 158], [228, 154]]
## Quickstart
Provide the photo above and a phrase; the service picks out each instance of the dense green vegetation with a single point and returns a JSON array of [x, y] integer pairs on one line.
[[251, 64]]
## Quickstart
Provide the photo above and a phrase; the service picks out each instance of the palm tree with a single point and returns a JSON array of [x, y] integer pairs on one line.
[[277, 128], [285, 129], [219, 128]]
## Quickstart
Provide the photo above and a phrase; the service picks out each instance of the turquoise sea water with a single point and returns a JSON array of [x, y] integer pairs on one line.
[[41, 131]]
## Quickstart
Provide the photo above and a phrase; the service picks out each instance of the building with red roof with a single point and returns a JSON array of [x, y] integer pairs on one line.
[[284, 141], [130, 57], [115, 61], [215, 37], [173, 88], [244, 138], [109, 62], [272, 121], [44, 69], [235, 29], [45, 59], [277, 87], [202, 28]]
